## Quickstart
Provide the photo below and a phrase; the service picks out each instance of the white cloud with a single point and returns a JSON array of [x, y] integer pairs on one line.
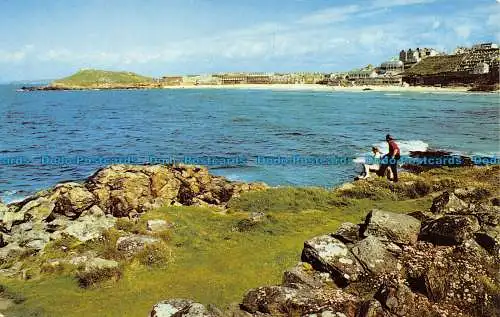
[[329, 15], [16, 55], [396, 3]]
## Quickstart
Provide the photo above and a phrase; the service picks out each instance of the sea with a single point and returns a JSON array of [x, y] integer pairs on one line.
[[280, 137]]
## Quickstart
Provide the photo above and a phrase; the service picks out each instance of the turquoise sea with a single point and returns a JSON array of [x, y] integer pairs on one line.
[[54, 136]]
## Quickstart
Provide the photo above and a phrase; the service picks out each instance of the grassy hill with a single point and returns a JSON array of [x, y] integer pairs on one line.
[[435, 65], [92, 78]]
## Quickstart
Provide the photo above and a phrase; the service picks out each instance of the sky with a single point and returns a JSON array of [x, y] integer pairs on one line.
[[53, 39]]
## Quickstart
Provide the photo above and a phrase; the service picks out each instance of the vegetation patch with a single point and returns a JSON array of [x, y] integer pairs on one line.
[[157, 254], [91, 277], [289, 199]]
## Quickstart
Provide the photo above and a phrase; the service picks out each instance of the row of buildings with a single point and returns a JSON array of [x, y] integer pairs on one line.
[[244, 78], [478, 59]]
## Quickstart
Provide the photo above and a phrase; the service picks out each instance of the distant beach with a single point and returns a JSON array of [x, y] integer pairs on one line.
[[316, 87]]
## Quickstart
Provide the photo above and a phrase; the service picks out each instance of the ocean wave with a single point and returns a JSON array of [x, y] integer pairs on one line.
[[12, 196]]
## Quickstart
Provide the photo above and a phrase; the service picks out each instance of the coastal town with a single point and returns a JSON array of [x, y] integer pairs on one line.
[[474, 68], [418, 66]]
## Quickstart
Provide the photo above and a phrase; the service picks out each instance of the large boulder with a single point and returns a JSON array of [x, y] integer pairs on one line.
[[392, 227], [450, 229], [373, 255], [179, 308], [329, 254]]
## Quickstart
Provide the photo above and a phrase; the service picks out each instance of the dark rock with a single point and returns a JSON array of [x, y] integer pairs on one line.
[[393, 227], [449, 230], [495, 201], [490, 240]]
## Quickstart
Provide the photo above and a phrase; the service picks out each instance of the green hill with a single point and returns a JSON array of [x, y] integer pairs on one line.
[[436, 65], [92, 78]]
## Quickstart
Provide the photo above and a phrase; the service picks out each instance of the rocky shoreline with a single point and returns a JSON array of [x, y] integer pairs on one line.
[[441, 262], [444, 261], [85, 210]]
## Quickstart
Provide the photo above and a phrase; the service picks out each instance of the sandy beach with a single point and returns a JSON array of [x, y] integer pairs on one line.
[[316, 87]]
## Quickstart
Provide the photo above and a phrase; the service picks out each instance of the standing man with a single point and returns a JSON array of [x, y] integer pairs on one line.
[[393, 156]]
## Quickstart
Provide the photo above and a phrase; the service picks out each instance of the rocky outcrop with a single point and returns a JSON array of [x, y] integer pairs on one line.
[[85, 210], [395, 265]]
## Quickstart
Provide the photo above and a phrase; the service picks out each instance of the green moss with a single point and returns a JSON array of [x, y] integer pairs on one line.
[[156, 255], [290, 199], [95, 276]]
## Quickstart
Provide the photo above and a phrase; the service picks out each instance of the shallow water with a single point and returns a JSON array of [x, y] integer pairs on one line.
[[41, 129]]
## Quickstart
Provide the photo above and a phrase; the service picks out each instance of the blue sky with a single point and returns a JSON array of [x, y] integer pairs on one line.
[[51, 39]]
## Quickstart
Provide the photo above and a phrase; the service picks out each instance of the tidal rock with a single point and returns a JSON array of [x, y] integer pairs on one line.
[[121, 189], [179, 308], [71, 199], [373, 255], [132, 244], [450, 229], [393, 227], [329, 254], [448, 203]]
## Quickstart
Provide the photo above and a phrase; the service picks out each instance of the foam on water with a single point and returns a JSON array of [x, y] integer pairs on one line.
[[405, 146]]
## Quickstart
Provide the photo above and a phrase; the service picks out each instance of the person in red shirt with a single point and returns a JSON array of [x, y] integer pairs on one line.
[[393, 156]]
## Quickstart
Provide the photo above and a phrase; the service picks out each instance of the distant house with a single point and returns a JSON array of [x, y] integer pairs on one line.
[[485, 46], [171, 80], [410, 56], [361, 74], [392, 67]]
